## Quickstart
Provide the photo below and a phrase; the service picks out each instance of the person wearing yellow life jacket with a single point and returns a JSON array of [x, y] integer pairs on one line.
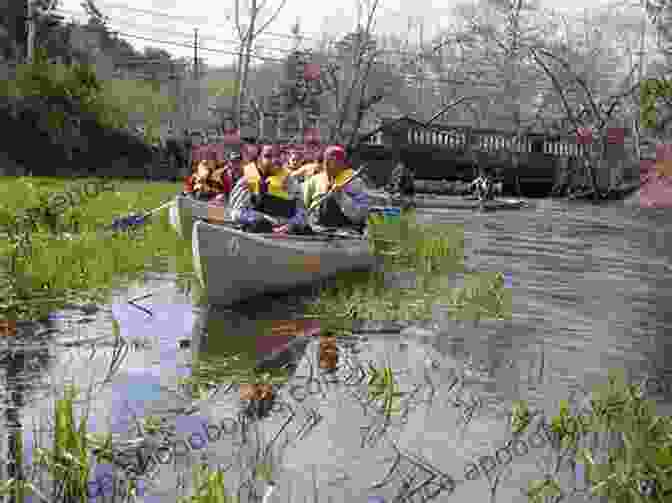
[[268, 191], [348, 206]]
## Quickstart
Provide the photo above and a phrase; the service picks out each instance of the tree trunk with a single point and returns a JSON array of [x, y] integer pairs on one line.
[[237, 95], [249, 39]]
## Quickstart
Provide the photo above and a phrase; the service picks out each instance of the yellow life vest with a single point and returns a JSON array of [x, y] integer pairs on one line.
[[322, 180], [276, 201], [277, 183]]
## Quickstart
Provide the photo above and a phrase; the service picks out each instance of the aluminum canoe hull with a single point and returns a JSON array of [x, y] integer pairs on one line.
[[233, 266]]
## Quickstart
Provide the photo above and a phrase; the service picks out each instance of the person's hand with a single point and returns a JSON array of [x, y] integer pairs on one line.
[[263, 186], [281, 229]]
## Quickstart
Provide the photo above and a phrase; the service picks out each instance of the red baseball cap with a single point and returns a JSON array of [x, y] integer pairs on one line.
[[334, 153]]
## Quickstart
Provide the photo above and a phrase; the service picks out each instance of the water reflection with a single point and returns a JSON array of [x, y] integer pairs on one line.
[[25, 357]]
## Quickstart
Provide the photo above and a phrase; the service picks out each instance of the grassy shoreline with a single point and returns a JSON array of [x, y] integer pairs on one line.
[[64, 257]]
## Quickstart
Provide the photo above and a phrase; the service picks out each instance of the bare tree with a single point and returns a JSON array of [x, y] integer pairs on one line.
[[247, 35], [352, 96], [594, 113]]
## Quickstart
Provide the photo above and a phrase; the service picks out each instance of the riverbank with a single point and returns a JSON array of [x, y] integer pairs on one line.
[[55, 253]]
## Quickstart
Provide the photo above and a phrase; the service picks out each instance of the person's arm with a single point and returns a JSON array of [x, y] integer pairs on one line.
[[295, 191], [354, 201], [240, 199], [308, 192], [241, 208]]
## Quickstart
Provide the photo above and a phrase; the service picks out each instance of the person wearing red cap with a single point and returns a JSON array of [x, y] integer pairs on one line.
[[268, 191], [348, 206]]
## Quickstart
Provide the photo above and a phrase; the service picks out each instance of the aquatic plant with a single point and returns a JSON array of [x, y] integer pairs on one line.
[[382, 387], [208, 487], [638, 468], [429, 253], [84, 265], [68, 461]]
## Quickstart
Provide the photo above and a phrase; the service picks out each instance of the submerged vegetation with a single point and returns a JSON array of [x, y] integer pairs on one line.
[[426, 253]]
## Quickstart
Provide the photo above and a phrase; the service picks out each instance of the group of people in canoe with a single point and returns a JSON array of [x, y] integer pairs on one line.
[[267, 194]]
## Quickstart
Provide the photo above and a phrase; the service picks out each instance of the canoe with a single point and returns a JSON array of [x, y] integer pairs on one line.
[[233, 265], [379, 197], [460, 203], [185, 211]]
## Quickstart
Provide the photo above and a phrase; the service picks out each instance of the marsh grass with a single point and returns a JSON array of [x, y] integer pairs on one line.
[[45, 262], [429, 252], [208, 487], [68, 462]]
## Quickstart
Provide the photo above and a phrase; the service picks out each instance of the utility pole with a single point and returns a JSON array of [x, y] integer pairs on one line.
[[195, 53], [30, 19], [197, 94], [421, 82]]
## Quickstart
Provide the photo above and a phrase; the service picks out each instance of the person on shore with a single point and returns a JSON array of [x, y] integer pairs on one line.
[[482, 187], [348, 206], [267, 195], [402, 181]]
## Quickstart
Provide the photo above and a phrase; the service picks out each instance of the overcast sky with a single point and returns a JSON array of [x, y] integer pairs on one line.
[[217, 38]]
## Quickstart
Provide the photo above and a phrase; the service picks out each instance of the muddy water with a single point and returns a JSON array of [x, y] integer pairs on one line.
[[591, 291]]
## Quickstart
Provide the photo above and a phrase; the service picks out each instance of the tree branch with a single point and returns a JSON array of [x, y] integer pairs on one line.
[[558, 88], [271, 19], [236, 10], [577, 78]]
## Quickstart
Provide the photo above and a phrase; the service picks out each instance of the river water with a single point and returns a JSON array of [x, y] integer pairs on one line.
[[591, 289]]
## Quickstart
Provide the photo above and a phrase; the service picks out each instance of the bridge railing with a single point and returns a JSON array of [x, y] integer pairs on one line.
[[491, 141]]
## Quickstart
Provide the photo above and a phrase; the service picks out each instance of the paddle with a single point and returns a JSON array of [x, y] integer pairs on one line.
[[333, 190], [124, 223]]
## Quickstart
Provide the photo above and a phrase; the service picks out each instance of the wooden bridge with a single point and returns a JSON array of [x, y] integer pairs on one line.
[[448, 152]]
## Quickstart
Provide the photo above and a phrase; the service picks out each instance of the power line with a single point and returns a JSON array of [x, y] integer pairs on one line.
[[185, 35], [264, 34], [235, 42], [257, 46], [197, 20], [407, 77]]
